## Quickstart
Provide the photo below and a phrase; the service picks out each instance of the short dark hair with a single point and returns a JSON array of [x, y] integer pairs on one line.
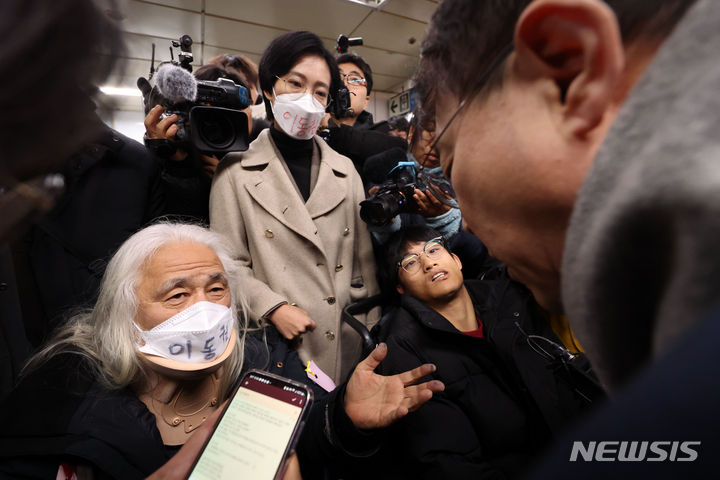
[[357, 60], [214, 72], [287, 50], [397, 244], [487, 27], [239, 65], [399, 123]]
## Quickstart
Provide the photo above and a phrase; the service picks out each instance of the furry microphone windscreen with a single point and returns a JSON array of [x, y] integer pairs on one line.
[[176, 84]]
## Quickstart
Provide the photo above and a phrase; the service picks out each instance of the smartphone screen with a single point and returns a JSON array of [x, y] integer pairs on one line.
[[256, 430]]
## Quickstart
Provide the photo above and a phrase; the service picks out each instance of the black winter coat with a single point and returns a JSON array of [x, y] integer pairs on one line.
[[112, 191], [502, 402], [61, 413]]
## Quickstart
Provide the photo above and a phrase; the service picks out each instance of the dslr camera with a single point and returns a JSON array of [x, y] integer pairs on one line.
[[394, 196], [209, 113]]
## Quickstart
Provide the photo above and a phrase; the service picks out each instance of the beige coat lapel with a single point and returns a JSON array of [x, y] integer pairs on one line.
[[273, 190], [328, 191]]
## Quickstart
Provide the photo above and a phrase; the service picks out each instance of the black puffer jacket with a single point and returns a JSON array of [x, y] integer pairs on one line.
[[502, 401]]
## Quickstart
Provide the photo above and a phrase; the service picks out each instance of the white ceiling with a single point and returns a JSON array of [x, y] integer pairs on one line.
[[392, 33]]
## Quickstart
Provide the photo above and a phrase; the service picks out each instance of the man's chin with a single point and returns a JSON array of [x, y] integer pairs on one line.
[[547, 297]]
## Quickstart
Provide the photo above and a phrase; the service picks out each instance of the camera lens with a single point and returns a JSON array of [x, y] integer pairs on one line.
[[380, 209], [216, 129]]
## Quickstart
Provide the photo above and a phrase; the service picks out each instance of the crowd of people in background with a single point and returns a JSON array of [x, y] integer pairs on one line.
[[536, 244]]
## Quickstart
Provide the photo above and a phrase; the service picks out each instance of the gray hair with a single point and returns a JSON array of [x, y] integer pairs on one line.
[[106, 335]]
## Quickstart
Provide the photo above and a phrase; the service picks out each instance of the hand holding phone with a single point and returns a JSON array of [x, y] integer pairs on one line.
[[257, 430]]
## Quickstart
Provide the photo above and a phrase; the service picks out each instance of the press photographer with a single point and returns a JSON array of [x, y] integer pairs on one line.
[[403, 186], [347, 128], [409, 188], [191, 123]]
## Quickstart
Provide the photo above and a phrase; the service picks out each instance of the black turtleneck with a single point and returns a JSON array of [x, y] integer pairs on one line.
[[297, 155]]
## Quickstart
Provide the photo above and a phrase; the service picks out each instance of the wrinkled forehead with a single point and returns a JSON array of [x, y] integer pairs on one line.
[[180, 259]]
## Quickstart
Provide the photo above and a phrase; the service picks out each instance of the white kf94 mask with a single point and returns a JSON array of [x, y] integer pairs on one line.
[[198, 334], [298, 114]]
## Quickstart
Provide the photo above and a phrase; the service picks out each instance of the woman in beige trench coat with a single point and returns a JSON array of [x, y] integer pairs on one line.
[[290, 206]]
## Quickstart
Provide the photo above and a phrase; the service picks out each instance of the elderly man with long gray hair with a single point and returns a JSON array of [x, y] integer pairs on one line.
[[118, 390]]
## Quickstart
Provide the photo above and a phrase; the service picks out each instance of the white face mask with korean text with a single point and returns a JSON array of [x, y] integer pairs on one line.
[[298, 114], [198, 334]]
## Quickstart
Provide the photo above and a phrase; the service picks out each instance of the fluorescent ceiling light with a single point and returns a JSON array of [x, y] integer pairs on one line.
[[368, 3], [121, 91]]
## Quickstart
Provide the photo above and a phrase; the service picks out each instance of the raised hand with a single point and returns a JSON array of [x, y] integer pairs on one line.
[[376, 401]]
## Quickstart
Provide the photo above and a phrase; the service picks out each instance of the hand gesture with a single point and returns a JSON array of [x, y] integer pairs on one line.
[[291, 321], [428, 201], [376, 401]]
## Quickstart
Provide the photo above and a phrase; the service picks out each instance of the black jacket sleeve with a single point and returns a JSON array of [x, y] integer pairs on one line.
[[358, 144], [331, 443]]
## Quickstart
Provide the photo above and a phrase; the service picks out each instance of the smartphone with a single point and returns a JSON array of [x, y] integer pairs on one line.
[[257, 431]]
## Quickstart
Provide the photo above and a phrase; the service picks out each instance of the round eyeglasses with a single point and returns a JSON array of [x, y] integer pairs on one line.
[[297, 84], [432, 249], [353, 80]]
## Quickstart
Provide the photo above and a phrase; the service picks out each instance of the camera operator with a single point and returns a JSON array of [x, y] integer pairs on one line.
[[357, 75], [187, 175], [348, 132], [247, 70]]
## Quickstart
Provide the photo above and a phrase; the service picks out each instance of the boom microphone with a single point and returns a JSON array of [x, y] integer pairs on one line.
[[176, 84]]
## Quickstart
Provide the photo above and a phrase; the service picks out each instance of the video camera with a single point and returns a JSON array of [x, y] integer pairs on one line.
[[209, 113], [343, 42], [340, 107]]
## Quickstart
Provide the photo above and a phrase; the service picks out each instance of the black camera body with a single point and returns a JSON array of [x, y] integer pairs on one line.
[[209, 113], [213, 123], [394, 196], [340, 106]]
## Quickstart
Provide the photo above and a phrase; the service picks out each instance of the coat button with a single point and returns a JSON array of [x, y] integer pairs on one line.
[[3, 286], [338, 268], [279, 364], [516, 314], [330, 300], [330, 335], [269, 233], [346, 232]]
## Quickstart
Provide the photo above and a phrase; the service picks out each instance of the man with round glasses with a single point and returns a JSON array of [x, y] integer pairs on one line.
[[510, 387], [351, 135], [358, 79]]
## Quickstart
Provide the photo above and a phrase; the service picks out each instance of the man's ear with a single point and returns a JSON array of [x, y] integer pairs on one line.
[[577, 43]]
